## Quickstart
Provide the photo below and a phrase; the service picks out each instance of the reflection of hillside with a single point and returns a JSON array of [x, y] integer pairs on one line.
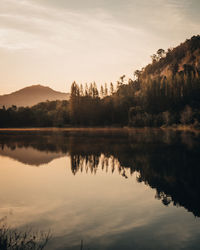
[[174, 173], [29, 155], [166, 161]]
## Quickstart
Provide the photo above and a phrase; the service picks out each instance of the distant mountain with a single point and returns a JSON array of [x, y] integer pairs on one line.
[[32, 95]]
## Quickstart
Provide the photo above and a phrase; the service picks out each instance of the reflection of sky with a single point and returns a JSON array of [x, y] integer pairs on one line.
[[104, 210], [56, 42]]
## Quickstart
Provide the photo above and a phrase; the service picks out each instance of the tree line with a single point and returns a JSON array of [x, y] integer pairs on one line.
[[45, 114], [137, 103], [149, 99]]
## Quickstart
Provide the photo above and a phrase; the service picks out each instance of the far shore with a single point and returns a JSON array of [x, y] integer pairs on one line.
[[105, 129]]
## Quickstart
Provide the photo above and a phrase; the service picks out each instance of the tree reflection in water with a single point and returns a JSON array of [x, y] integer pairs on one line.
[[167, 161]]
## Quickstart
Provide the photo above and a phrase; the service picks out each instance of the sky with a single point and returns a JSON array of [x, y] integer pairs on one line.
[[56, 42]]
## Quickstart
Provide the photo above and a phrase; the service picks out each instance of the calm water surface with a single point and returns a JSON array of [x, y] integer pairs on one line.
[[136, 189]]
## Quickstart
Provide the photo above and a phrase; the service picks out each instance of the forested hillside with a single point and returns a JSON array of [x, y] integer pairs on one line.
[[164, 93]]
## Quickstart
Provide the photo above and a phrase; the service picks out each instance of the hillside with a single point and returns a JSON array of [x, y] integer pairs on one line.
[[31, 95], [184, 58], [164, 93]]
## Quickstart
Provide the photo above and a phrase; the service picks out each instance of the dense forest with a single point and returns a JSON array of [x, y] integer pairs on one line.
[[164, 93]]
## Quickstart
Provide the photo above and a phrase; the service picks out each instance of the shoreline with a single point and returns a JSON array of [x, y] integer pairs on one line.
[[103, 129], [182, 128]]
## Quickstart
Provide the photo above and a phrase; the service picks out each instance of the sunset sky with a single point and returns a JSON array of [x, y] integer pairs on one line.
[[54, 42]]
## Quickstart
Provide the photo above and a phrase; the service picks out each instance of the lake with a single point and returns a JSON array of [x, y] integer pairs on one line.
[[112, 189]]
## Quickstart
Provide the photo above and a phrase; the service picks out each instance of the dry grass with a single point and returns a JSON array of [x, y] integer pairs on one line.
[[13, 239]]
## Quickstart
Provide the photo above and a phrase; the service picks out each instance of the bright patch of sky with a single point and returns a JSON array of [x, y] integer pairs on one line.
[[55, 42]]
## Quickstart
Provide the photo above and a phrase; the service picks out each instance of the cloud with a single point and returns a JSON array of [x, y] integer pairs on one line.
[[39, 23], [29, 25], [99, 39]]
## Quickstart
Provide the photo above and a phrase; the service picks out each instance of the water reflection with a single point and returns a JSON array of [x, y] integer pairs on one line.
[[167, 161]]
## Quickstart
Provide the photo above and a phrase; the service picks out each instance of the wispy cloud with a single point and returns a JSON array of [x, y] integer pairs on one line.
[[99, 39]]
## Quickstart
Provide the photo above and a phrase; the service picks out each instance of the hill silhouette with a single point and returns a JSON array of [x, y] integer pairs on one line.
[[32, 95], [164, 93], [184, 58]]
